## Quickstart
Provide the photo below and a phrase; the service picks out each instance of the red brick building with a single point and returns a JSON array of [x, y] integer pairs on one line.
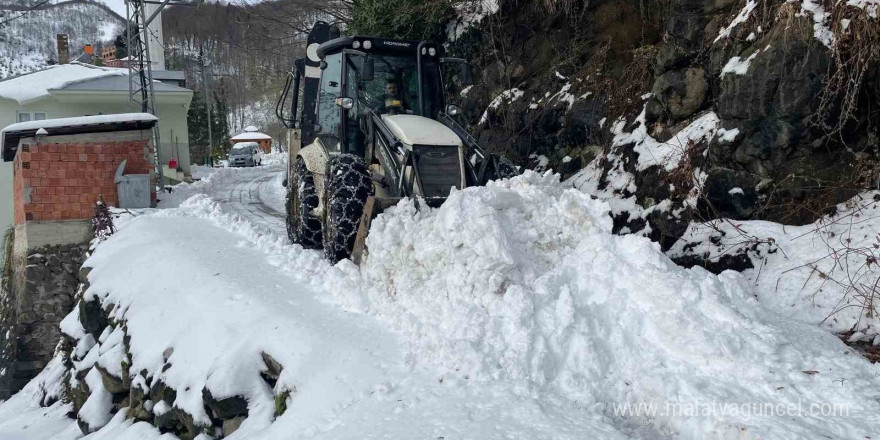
[[59, 171]]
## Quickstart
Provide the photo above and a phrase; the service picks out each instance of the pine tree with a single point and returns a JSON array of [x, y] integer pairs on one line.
[[198, 130], [220, 116]]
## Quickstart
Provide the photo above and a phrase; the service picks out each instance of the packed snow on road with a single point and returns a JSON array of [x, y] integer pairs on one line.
[[510, 312]]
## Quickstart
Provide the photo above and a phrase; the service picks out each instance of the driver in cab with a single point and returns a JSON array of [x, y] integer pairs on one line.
[[393, 103]]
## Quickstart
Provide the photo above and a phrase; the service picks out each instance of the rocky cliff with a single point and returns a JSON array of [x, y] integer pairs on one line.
[[687, 110]]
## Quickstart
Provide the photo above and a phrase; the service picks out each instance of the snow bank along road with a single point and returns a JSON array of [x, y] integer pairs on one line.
[[509, 312]]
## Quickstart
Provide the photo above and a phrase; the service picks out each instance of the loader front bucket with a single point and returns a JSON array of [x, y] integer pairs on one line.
[[374, 207]]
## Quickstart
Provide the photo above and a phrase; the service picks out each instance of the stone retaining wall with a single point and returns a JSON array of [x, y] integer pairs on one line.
[[43, 287]]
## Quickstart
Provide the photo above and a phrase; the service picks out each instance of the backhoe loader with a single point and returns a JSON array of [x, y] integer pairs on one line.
[[371, 126]]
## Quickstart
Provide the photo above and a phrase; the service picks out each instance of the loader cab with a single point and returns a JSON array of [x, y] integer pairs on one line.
[[364, 75]]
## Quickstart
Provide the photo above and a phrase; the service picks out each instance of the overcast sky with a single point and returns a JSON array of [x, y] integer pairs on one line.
[[116, 5]]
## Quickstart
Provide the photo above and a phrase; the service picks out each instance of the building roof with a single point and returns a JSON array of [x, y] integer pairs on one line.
[[244, 145], [118, 84], [35, 85], [72, 77], [251, 136], [10, 135]]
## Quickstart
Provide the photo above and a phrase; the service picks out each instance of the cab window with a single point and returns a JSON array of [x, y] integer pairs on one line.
[[329, 114]]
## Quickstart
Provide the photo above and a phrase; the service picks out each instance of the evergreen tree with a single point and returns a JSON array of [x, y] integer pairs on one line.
[[198, 130], [220, 115]]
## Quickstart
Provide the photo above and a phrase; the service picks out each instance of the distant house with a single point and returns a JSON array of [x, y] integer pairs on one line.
[[252, 134], [76, 89]]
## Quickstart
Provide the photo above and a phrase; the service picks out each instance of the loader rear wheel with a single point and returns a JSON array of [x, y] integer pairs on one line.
[[302, 227], [346, 188]]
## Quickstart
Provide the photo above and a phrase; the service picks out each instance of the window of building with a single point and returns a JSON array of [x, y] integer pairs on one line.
[[31, 116]]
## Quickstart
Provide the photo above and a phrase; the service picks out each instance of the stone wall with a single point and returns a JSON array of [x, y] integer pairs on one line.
[[7, 344], [43, 287], [141, 394]]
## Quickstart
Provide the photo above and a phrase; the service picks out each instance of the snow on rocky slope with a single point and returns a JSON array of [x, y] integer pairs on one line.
[[509, 312], [822, 273]]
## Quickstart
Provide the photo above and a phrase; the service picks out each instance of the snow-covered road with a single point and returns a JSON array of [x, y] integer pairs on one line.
[[253, 194], [511, 312]]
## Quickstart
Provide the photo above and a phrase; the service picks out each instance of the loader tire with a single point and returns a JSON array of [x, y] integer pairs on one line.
[[303, 228], [346, 188]]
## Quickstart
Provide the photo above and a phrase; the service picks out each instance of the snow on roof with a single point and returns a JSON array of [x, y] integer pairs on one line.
[[245, 145], [251, 136], [31, 86], [251, 129], [80, 120], [81, 124]]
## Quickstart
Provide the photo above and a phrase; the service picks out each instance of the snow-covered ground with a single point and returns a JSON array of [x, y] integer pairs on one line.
[[509, 312]]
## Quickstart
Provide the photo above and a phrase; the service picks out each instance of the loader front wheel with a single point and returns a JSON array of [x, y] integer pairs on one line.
[[346, 189], [302, 198]]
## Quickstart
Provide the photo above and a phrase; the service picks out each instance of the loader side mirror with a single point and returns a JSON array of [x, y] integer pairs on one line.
[[368, 72]]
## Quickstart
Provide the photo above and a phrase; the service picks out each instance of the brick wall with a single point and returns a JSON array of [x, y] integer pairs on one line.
[[62, 180], [266, 146]]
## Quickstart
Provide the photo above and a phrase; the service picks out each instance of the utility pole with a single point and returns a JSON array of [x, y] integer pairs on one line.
[[207, 104], [140, 70]]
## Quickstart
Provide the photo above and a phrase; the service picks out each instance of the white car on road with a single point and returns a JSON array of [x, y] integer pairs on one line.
[[245, 154]]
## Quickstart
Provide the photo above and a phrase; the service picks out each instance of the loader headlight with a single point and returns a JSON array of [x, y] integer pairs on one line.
[[432, 51], [368, 44], [453, 110], [346, 103], [356, 44]]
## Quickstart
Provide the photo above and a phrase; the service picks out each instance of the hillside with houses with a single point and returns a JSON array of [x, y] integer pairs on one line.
[[29, 37]]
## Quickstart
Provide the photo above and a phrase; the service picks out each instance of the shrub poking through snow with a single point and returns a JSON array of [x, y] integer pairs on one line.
[[102, 222]]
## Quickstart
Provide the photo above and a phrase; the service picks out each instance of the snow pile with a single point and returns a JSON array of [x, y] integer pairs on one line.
[[200, 172], [30, 87], [275, 158], [822, 274], [523, 281]]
